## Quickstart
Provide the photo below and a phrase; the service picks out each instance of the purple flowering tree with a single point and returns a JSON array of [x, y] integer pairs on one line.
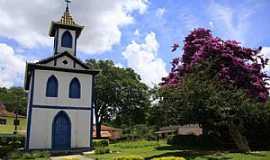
[[234, 65], [215, 83]]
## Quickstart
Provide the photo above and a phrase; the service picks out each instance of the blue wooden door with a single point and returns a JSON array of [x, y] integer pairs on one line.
[[61, 134]]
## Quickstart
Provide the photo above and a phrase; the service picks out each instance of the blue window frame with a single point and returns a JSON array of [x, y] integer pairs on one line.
[[67, 40], [52, 87], [75, 88]]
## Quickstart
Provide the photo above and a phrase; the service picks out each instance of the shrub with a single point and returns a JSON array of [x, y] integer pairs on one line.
[[16, 155], [139, 132], [8, 138], [101, 143], [71, 158], [27, 156], [38, 154], [102, 150], [129, 158], [169, 158], [4, 150]]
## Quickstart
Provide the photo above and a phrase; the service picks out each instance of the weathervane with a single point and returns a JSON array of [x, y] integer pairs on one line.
[[68, 1]]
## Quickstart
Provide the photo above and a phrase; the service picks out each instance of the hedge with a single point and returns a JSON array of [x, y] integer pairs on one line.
[[102, 150], [129, 158], [169, 158], [100, 143], [5, 139]]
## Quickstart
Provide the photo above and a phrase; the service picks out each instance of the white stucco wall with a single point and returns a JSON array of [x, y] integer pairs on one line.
[[59, 63], [64, 79], [41, 128], [61, 49], [42, 118]]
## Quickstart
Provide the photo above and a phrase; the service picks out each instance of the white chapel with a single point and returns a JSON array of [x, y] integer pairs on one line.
[[60, 94]]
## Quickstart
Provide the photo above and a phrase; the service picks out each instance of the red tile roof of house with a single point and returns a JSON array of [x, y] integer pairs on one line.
[[107, 128]]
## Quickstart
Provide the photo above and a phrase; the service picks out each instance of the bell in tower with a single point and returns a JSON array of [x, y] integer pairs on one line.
[[65, 33]]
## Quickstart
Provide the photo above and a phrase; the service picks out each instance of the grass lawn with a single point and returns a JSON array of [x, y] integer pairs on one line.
[[151, 149]]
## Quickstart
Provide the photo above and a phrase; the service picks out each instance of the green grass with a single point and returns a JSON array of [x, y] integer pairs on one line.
[[151, 149]]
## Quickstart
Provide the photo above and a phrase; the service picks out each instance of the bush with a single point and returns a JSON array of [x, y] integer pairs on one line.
[[8, 138], [38, 154], [16, 155], [139, 132], [129, 158], [136, 144], [10, 143], [102, 150], [100, 143], [169, 158], [71, 158]]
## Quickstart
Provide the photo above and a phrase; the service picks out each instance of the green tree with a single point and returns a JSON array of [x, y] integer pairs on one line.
[[12, 97], [121, 99]]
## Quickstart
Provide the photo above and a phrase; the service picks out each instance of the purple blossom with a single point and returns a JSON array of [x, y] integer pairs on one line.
[[239, 66]]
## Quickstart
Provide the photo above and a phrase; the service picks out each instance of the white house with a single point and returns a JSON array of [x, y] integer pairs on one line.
[[60, 94]]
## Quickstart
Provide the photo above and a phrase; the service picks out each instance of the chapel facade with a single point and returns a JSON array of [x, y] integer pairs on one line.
[[60, 94]]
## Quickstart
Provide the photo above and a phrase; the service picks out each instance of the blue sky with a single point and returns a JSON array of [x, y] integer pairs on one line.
[[133, 33]]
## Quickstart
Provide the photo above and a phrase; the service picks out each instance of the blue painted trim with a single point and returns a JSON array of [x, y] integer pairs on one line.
[[30, 112], [81, 149], [56, 49], [75, 49], [93, 103], [60, 113], [61, 107]]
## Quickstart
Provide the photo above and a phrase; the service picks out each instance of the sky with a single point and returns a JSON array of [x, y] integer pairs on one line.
[[132, 33]]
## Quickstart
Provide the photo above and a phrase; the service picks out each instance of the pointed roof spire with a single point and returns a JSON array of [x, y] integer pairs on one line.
[[67, 18], [66, 21]]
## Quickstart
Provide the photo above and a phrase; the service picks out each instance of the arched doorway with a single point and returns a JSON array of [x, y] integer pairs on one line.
[[61, 132]]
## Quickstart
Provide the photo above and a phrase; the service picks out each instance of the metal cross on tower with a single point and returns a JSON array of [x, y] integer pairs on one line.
[[68, 1]]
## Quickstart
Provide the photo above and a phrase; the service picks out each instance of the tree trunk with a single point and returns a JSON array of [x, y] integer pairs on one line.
[[98, 130], [240, 140], [98, 125]]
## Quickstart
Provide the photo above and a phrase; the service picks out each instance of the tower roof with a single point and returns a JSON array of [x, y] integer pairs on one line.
[[67, 18], [67, 22]]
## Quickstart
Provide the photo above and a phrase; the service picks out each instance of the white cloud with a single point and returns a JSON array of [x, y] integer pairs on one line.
[[137, 33], [211, 24], [27, 22], [160, 12], [266, 53], [119, 65], [233, 22], [142, 57], [12, 67]]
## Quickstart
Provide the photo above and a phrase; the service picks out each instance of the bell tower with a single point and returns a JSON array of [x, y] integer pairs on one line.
[[65, 33]]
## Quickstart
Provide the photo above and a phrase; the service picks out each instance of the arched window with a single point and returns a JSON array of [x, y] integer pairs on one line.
[[52, 87], [75, 88], [67, 40]]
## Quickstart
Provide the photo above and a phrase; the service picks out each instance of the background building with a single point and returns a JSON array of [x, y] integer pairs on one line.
[[7, 120]]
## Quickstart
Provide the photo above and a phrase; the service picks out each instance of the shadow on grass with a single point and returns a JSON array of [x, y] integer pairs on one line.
[[201, 148], [255, 154], [192, 153]]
